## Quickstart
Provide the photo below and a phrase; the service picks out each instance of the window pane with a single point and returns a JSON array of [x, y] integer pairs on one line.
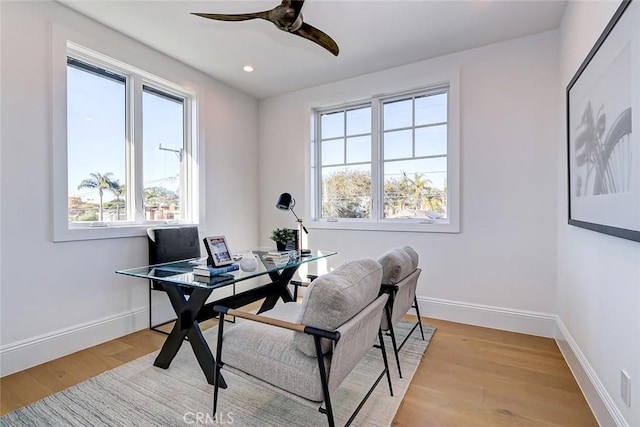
[[431, 109], [163, 142], [96, 143], [333, 152], [398, 144], [431, 141], [359, 149], [412, 147], [346, 192], [398, 114], [359, 121], [415, 188], [332, 125]]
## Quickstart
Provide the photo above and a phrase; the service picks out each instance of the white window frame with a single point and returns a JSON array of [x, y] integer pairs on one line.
[[63, 229], [377, 223]]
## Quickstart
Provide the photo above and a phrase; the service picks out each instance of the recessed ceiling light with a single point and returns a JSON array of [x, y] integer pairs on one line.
[[248, 68]]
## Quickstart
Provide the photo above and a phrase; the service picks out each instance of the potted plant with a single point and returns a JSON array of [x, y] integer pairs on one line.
[[282, 236]]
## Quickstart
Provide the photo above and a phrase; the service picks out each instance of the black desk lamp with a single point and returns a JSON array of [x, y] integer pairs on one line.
[[287, 202]]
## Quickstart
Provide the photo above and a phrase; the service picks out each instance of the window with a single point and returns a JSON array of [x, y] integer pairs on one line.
[[163, 144], [345, 152], [386, 162], [96, 143], [414, 147], [130, 157]]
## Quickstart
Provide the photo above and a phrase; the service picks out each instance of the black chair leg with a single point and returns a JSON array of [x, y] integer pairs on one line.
[[156, 327], [395, 348], [296, 284], [386, 362], [150, 307], [415, 302], [325, 383], [215, 396], [218, 365], [393, 338]]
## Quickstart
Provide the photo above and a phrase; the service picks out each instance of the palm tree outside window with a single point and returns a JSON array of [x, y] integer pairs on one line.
[[102, 183]]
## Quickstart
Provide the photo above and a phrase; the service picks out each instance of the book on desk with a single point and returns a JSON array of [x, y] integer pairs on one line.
[[208, 270], [281, 255], [213, 280]]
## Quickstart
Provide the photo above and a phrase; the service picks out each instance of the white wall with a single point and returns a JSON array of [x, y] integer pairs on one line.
[[500, 271], [598, 301], [61, 297]]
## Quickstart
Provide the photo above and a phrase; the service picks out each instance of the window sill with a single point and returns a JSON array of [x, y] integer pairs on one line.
[[76, 233], [412, 227]]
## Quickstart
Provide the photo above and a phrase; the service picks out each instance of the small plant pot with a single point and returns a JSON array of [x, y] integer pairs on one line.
[[281, 246]]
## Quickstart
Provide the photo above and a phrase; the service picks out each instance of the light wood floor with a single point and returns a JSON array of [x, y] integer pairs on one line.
[[469, 376], [472, 376]]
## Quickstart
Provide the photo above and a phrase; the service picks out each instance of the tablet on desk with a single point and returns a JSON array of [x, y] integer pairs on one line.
[[218, 250]]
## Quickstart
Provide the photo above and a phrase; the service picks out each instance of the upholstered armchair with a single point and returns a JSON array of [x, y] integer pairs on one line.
[[400, 280], [167, 244], [305, 350]]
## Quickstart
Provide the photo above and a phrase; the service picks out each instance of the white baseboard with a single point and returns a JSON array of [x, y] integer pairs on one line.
[[17, 356], [24, 354], [21, 355], [601, 403], [522, 321]]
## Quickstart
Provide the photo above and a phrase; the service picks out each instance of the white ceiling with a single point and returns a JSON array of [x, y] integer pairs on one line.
[[372, 35]]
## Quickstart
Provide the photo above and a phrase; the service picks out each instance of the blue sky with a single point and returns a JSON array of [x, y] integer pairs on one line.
[[97, 138]]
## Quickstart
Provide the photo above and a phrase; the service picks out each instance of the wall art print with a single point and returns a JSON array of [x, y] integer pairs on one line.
[[603, 106]]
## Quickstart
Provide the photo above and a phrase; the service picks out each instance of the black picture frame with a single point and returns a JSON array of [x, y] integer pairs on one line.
[[218, 251], [603, 154]]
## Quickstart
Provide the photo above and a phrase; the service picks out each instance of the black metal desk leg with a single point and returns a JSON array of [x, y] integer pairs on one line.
[[187, 326], [177, 335], [203, 354], [281, 280]]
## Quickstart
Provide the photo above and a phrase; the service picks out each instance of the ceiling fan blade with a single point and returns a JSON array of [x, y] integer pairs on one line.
[[318, 37], [238, 17]]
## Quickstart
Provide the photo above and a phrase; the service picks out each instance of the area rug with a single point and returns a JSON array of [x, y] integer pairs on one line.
[[140, 394]]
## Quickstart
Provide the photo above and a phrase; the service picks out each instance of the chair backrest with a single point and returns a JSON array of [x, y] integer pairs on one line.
[[334, 298], [357, 336], [397, 264], [400, 268], [403, 298], [168, 244]]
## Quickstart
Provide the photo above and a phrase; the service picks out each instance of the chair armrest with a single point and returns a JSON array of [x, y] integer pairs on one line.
[[311, 278], [298, 327]]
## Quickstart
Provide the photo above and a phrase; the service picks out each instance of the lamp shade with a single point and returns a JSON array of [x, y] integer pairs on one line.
[[285, 201]]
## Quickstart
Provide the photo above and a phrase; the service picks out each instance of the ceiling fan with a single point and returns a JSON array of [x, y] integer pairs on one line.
[[286, 16]]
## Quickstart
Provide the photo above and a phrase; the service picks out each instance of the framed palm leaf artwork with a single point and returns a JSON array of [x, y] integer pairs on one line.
[[603, 109]]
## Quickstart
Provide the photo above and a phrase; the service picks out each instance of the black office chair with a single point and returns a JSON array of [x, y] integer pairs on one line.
[[167, 244]]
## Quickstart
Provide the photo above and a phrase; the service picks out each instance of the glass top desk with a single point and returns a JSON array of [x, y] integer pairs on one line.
[[174, 277]]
